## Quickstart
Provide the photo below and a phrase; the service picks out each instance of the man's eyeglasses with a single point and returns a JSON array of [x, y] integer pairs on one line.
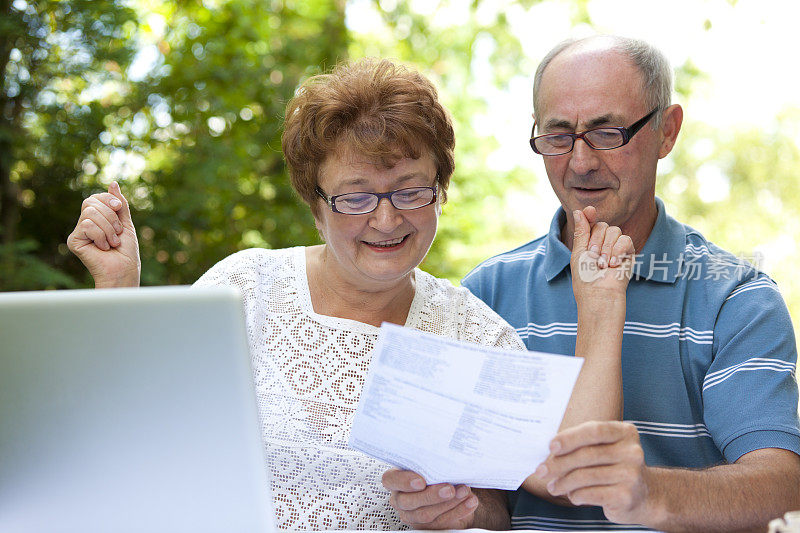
[[597, 138], [360, 203]]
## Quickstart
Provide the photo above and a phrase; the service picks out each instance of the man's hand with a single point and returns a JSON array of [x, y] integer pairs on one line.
[[601, 260], [600, 463], [422, 506]]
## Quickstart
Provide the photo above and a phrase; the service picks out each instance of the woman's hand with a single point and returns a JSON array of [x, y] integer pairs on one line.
[[602, 259], [104, 239]]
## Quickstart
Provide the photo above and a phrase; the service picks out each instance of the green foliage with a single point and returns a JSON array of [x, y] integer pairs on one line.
[[215, 180], [687, 76], [204, 125], [22, 270], [51, 54]]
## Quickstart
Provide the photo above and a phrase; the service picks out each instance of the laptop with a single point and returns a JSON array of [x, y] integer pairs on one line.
[[129, 410]]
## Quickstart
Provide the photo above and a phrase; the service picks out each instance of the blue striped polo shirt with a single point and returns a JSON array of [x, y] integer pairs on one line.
[[708, 353]]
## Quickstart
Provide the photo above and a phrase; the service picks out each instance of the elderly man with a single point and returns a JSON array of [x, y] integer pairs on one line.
[[710, 437]]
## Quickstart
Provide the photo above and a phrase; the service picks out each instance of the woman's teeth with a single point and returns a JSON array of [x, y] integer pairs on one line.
[[386, 244]]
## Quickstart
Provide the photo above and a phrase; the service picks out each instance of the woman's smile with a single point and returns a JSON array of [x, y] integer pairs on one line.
[[388, 245]]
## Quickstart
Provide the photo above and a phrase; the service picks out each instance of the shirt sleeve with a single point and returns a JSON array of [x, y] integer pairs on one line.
[[250, 272], [484, 326], [750, 394], [474, 281], [238, 270]]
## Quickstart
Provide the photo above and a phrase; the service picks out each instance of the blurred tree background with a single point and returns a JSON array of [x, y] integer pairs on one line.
[[182, 102]]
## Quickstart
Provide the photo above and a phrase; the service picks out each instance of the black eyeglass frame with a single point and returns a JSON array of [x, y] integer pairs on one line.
[[331, 200], [627, 134]]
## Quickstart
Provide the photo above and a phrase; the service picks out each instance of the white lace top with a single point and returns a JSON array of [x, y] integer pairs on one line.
[[309, 370]]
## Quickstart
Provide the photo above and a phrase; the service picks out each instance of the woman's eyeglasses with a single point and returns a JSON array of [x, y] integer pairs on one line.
[[360, 203]]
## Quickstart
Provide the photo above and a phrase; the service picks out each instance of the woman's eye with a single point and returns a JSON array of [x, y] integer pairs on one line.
[[354, 200], [406, 196]]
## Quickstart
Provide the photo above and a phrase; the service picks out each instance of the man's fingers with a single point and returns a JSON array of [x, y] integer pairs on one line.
[[610, 238], [617, 500], [597, 236], [595, 495], [580, 238], [590, 212], [619, 463], [403, 480], [583, 477], [558, 466], [590, 434], [623, 250]]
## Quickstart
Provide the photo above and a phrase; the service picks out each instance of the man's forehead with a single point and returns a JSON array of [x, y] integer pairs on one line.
[[577, 121], [593, 68], [589, 87]]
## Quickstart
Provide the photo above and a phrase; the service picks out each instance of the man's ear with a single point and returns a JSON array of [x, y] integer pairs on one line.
[[670, 126]]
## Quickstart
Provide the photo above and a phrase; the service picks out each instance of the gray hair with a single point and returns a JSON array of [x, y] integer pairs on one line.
[[651, 63]]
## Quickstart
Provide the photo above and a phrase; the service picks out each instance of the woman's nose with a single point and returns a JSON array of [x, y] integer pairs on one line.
[[386, 217]]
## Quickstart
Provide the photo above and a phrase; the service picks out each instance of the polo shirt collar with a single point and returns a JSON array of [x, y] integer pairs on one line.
[[556, 256], [659, 260]]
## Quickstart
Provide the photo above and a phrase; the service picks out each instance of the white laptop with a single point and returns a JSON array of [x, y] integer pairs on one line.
[[129, 410]]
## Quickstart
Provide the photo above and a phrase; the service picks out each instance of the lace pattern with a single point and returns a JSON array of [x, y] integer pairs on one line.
[[309, 370]]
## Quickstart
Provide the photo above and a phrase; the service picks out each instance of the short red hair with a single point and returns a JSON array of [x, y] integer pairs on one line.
[[373, 107]]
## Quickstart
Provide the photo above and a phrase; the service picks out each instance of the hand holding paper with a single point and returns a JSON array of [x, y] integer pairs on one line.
[[461, 413]]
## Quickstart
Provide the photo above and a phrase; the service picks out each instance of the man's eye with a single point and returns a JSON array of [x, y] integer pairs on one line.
[[559, 140], [605, 134]]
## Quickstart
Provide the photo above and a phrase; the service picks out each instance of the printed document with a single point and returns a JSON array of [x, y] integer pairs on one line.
[[461, 413]]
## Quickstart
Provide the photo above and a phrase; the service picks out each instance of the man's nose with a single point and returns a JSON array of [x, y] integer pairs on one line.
[[386, 217], [583, 158]]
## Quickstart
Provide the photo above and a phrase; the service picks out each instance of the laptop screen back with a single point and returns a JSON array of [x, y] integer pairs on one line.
[[129, 410]]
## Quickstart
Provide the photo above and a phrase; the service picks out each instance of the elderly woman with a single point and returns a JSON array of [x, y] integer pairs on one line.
[[370, 150]]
